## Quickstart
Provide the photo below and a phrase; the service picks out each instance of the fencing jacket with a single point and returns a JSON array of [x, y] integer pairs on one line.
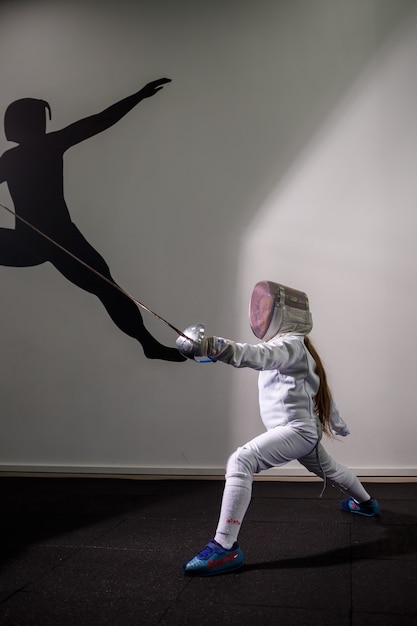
[[287, 381]]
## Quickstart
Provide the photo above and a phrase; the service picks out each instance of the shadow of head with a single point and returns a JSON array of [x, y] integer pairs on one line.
[[25, 119]]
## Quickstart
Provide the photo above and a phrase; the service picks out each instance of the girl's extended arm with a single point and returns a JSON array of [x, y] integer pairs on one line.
[[262, 356]]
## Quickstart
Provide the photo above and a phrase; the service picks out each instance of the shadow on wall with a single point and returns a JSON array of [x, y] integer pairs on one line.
[[33, 171]]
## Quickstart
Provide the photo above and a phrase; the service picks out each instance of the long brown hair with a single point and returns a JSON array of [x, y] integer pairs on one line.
[[323, 399]]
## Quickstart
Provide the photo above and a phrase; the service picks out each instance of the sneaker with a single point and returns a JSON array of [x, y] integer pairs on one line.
[[369, 508], [214, 559]]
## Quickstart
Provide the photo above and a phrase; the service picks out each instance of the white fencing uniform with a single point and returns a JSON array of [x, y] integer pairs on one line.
[[288, 383]]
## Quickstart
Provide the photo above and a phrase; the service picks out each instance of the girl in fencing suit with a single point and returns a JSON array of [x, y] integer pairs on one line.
[[296, 408]]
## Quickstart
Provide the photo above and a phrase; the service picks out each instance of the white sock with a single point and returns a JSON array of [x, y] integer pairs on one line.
[[236, 498], [358, 491]]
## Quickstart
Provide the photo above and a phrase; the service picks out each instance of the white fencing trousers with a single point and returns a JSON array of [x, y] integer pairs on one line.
[[272, 449]]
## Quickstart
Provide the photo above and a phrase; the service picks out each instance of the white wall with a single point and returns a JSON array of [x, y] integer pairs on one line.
[[284, 149]]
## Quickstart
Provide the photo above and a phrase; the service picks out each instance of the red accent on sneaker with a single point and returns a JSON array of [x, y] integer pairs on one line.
[[226, 559]]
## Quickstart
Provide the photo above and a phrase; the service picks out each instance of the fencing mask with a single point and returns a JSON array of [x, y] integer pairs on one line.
[[276, 309]]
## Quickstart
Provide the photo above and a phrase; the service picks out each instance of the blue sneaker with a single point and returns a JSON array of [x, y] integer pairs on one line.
[[214, 559], [369, 508]]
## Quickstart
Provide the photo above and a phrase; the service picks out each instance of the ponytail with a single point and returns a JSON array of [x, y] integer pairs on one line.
[[323, 399]]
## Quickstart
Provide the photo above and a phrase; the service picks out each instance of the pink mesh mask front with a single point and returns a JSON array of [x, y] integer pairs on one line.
[[277, 309]]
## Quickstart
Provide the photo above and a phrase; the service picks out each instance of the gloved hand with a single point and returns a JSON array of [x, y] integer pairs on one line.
[[194, 345]]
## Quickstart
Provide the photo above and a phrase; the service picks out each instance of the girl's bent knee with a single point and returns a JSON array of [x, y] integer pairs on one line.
[[242, 463]]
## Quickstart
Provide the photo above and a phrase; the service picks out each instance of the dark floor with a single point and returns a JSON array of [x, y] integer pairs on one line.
[[101, 552]]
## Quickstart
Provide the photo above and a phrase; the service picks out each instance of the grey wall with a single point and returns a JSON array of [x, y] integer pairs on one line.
[[284, 149]]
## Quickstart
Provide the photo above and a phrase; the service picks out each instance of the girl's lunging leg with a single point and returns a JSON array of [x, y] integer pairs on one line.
[[271, 449]]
